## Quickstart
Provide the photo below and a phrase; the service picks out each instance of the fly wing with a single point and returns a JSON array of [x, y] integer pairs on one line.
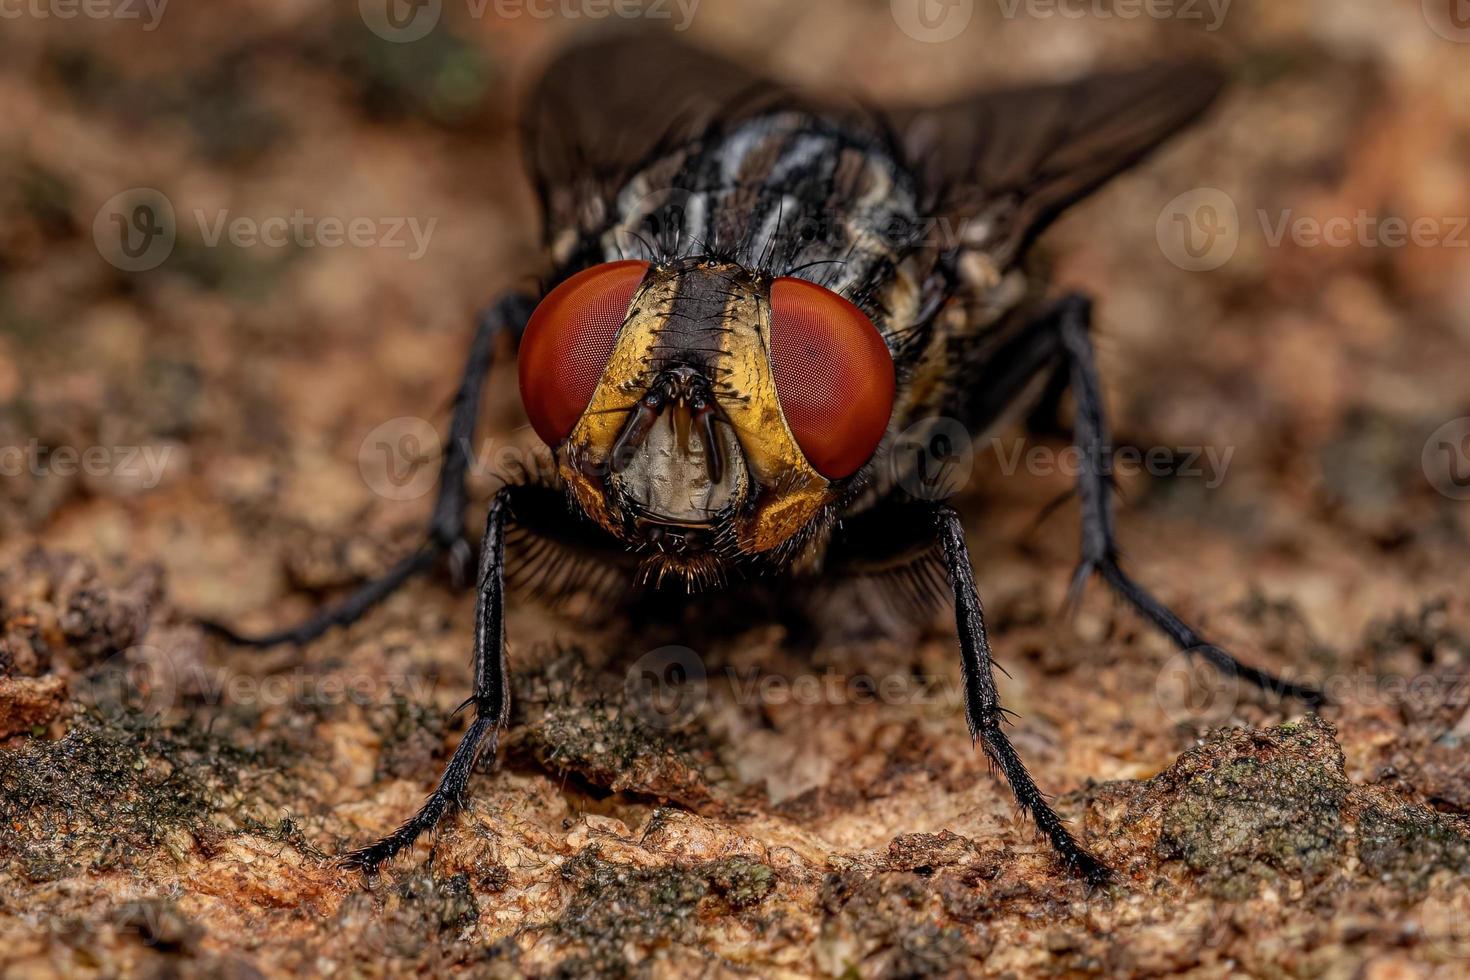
[[605, 107], [1006, 163]]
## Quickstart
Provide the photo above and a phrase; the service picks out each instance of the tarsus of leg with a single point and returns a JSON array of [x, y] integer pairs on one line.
[[1072, 318], [491, 701]]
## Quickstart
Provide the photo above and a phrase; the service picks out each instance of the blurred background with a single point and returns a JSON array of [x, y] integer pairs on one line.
[[237, 240]]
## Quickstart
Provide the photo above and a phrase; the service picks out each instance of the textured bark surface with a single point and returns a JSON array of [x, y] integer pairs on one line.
[[169, 805]]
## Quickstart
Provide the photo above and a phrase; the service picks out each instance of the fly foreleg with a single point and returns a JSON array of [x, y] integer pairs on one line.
[[491, 700], [983, 710]]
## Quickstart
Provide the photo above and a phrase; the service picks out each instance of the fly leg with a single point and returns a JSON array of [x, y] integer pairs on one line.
[[983, 710], [1069, 322], [491, 700], [446, 533], [908, 539]]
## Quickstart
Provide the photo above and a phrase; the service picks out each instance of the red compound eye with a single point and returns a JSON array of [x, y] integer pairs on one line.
[[834, 376], [567, 344]]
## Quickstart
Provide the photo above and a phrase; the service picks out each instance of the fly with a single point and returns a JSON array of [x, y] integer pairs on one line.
[[749, 302]]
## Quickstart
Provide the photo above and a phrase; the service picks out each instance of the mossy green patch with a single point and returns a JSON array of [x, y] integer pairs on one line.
[[895, 924], [571, 719], [742, 882], [613, 906], [1251, 806], [116, 789], [1408, 845]]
